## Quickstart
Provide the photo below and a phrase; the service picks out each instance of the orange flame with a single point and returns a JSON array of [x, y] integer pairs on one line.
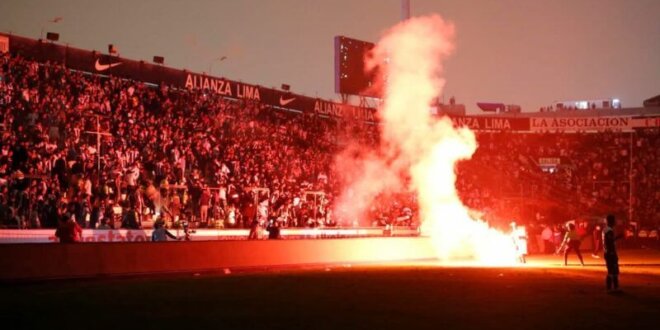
[[411, 55]]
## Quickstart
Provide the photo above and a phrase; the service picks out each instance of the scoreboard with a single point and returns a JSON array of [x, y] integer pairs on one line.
[[350, 74]]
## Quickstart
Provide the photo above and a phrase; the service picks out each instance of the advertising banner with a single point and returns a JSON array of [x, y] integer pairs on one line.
[[492, 123], [580, 124], [98, 63], [646, 122], [9, 236], [4, 44], [549, 161]]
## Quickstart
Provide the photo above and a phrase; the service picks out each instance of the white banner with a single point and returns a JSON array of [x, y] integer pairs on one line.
[[139, 235], [100, 235]]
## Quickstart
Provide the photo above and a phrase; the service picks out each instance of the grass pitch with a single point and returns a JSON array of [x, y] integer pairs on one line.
[[397, 296]]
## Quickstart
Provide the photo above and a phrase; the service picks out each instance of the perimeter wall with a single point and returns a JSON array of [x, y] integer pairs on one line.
[[52, 261]]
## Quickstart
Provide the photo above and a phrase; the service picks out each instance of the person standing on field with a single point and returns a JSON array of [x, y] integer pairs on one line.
[[611, 257], [571, 243]]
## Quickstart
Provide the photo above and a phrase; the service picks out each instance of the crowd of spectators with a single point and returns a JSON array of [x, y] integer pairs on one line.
[[546, 178], [109, 152], [174, 154]]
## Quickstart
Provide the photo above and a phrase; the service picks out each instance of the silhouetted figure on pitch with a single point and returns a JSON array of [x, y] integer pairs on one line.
[[597, 235], [571, 243], [611, 257], [160, 234]]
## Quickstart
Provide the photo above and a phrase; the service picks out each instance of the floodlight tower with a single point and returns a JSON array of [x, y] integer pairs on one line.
[[405, 10]]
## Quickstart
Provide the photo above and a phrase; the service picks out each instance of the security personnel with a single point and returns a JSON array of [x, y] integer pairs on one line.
[[611, 258]]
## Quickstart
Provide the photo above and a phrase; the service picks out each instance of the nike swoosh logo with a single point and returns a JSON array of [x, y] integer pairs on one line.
[[284, 101], [102, 67]]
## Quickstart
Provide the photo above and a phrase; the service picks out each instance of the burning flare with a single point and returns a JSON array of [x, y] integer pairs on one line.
[[424, 149]]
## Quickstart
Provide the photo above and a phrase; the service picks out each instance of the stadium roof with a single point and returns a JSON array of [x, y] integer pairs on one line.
[[652, 102], [646, 111]]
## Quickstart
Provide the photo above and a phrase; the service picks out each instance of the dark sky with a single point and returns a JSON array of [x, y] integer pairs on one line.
[[527, 52]]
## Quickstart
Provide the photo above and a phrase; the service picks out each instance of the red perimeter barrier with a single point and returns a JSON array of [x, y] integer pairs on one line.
[[50, 261]]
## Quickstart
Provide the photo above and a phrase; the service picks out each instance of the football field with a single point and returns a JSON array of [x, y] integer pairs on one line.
[[539, 295]]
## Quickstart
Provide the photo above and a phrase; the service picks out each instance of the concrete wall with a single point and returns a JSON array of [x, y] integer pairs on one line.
[[49, 261]]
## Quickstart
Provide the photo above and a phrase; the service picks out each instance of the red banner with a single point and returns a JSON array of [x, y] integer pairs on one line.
[[581, 124]]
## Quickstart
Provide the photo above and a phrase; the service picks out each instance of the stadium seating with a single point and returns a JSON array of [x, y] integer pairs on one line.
[[170, 153]]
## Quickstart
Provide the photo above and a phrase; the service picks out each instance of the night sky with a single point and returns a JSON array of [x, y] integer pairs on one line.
[[526, 52]]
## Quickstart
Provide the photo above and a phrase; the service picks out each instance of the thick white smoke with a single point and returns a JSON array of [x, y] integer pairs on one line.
[[419, 152]]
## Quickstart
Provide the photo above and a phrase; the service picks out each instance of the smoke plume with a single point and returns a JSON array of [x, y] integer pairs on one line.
[[417, 151]]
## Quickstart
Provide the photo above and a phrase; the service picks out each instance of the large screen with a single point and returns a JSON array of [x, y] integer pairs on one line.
[[350, 75]]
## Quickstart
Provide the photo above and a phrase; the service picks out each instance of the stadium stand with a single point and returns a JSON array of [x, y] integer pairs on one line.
[[117, 152]]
